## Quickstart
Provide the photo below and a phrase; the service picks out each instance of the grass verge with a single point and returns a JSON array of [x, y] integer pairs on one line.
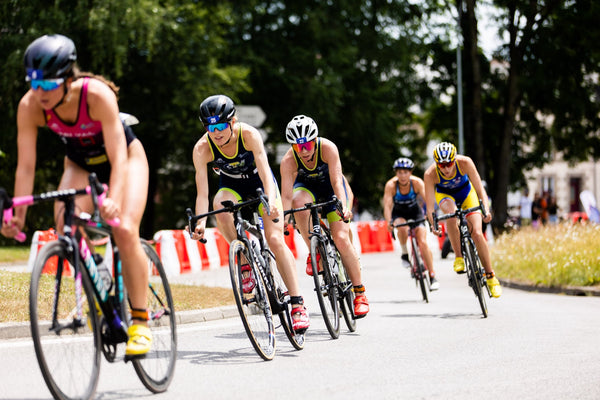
[[552, 256], [14, 296]]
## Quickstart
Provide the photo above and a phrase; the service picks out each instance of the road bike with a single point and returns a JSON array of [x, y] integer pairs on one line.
[[79, 311], [418, 269], [269, 296], [332, 283], [475, 271]]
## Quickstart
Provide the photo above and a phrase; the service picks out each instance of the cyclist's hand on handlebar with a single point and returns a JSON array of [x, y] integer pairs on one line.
[[11, 228], [274, 212], [487, 215], [198, 233], [109, 210]]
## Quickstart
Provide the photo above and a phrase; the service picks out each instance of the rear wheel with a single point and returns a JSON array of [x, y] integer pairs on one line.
[[346, 297], [156, 369], [66, 337], [325, 287], [254, 307]]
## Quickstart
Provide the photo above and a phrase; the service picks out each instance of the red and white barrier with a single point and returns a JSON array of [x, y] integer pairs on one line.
[[180, 254]]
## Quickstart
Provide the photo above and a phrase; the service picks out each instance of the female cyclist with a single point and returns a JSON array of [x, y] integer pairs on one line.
[[400, 203], [237, 150], [82, 109], [311, 171], [453, 180]]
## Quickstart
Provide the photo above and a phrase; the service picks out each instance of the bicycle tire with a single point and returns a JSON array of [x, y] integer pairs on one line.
[[346, 296], [296, 339], [474, 277], [156, 369], [254, 308], [325, 287], [70, 358], [421, 271]]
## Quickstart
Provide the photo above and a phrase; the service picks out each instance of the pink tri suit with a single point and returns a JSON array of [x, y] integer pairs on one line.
[[83, 139]]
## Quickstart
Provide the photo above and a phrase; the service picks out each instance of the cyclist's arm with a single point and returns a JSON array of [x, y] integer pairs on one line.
[[201, 156], [254, 143], [468, 166], [30, 117], [331, 156], [103, 107], [429, 181], [388, 201], [289, 170]]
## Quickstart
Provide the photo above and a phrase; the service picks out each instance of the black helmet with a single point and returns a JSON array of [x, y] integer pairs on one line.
[[217, 108], [50, 57]]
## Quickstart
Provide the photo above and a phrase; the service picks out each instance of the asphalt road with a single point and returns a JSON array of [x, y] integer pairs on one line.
[[532, 346]]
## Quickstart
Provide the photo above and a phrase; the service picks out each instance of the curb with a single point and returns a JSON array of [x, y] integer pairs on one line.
[[567, 290], [20, 330]]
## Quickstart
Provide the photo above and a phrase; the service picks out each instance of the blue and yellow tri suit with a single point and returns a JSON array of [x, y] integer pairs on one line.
[[238, 174], [406, 206], [457, 188], [317, 183]]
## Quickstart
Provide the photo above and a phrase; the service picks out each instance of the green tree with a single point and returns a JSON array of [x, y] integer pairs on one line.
[[349, 65], [164, 55]]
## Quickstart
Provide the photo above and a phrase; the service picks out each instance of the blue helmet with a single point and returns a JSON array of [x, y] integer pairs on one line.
[[404, 163]]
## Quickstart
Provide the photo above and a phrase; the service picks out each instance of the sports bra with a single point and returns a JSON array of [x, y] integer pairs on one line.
[[318, 175], [241, 165]]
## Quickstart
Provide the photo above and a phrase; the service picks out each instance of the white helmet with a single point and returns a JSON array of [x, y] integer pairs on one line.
[[301, 129]]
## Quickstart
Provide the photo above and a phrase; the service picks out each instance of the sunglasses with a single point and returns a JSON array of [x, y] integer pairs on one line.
[[46, 84], [308, 146], [219, 127], [445, 164]]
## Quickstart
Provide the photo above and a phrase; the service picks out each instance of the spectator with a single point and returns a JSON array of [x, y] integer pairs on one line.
[[552, 210], [525, 207]]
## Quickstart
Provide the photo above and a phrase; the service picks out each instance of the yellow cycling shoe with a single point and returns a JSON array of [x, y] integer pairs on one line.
[[459, 265], [140, 340], [494, 286]]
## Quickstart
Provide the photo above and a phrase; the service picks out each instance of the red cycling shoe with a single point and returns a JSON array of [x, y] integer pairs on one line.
[[300, 320], [309, 270], [248, 283], [361, 306]]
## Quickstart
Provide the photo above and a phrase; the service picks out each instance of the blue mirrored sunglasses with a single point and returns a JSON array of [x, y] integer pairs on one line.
[[219, 127], [46, 84]]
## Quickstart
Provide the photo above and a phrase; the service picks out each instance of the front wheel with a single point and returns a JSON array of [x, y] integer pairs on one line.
[[254, 307], [325, 286], [474, 270], [156, 369], [66, 336], [296, 339], [421, 273]]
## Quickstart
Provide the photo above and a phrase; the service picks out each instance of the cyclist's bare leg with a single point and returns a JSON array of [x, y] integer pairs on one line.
[[286, 264], [475, 226], [421, 233], [340, 231], [301, 197], [127, 238], [448, 207], [73, 177], [225, 220]]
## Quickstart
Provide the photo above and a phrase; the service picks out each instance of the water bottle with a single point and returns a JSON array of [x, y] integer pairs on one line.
[[103, 270]]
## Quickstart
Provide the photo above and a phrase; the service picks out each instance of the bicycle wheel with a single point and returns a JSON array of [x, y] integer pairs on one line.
[[254, 307], [67, 345], [156, 369], [296, 339], [325, 287], [421, 274], [474, 276], [346, 296]]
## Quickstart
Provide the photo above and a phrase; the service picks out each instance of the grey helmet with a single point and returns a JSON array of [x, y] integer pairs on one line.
[[50, 57], [301, 129]]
